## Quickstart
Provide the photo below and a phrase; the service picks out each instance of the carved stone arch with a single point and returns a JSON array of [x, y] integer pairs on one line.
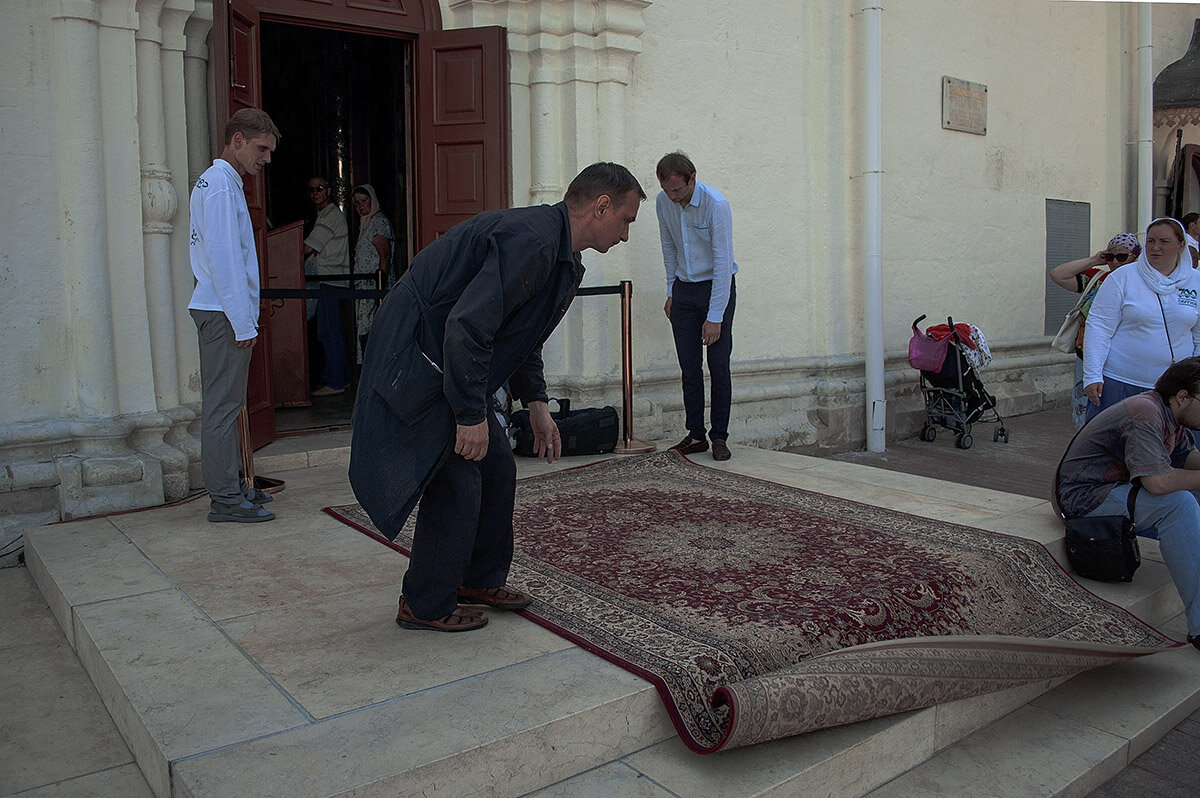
[[409, 16]]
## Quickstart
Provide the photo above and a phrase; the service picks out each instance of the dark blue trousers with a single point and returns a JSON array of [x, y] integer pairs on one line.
[[464, 530], [689, 309]]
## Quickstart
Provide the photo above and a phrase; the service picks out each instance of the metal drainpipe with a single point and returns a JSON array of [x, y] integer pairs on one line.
[[876, 404], [1145, 174]]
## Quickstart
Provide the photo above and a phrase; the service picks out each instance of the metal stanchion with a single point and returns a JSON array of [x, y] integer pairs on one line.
[[629, 444]]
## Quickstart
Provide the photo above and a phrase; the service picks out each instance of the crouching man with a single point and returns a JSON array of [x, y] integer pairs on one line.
[[469, 315], [1146, 437]]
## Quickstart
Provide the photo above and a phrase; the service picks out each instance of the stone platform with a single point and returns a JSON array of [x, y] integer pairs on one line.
[[263, 660]]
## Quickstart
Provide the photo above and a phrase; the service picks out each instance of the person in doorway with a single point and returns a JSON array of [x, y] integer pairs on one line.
[[1191, 227], [372, 255], [1086, 275], [469, 315], [1145, 438], [329, 245], [1142, 320], [225, 308], [696, 230]]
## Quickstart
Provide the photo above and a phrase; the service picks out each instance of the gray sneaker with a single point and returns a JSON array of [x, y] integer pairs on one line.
[[245, 513]]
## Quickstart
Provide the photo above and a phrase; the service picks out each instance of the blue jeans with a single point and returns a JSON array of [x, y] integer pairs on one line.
[[1176, 516], [329, 333], [1113, 391]]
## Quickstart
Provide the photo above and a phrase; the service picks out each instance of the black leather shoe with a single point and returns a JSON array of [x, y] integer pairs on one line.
[[1195, 641], [689, 446], [720, 450]]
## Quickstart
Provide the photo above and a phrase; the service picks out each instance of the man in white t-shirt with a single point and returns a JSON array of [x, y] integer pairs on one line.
[[225, 308]]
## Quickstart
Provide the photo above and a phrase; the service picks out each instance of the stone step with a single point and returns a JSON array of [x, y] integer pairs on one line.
[[230, 660], [1061, 736], [1070, 740]]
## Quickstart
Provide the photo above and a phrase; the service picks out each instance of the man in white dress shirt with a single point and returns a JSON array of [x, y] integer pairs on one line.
[[696, 230], [225, 309]]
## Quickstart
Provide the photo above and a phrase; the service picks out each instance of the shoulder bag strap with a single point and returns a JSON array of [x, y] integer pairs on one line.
[[1165, 327]]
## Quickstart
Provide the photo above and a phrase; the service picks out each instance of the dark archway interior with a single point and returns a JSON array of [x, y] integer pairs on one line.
[[342, 102]]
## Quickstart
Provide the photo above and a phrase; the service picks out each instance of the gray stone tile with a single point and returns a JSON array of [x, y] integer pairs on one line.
[[53, 723], [846, 760], [25, 619], [614, 780], [1140, 700], [345, 652], [1029, 752], [555, 716], [286, 461], [173, 683], [86, 561], [125, 781]]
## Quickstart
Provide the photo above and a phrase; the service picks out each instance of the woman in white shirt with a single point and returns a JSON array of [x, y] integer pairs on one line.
[[1143, 319]]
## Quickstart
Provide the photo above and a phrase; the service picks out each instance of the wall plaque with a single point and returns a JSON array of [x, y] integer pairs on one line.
[[964, 106]]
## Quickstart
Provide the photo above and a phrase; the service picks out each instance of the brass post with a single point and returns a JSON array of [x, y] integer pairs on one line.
[[629, 445]]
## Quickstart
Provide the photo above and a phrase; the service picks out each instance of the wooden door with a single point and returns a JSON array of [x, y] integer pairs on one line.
[[462, 127], [289, 319], [239, 85]]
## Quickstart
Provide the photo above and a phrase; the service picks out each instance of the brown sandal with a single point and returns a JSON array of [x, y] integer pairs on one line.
[[502, 598], [458, 621]]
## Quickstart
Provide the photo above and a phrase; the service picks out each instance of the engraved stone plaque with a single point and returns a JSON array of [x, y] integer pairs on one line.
[[964, 106]]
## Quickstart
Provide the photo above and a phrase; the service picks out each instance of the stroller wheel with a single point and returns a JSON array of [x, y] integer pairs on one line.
[[1001, 434], [928, 433], [964, 441]]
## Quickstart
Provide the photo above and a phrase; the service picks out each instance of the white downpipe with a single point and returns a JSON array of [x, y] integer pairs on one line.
[[1145, 173], [876, 404]]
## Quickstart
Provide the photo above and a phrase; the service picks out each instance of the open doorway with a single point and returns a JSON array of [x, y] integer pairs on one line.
[[343, 102]]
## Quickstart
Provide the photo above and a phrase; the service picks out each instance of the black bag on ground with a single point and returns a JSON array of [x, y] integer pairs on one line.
[[1105, 547], [593, 430]]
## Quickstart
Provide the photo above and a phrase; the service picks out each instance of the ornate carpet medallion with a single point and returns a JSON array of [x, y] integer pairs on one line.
[[761, 611]]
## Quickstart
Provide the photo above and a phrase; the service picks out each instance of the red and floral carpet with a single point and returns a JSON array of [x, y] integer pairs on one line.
[[762, 611]]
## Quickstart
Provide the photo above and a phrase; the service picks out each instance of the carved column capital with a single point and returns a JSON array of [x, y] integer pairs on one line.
[[159, 201]]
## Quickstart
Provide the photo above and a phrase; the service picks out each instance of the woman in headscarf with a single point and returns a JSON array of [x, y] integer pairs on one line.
[[374, 253], [1083, 276], [1142, 320]]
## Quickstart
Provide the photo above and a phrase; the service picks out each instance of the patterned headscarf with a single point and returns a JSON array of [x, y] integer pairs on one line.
[[1127, 240]]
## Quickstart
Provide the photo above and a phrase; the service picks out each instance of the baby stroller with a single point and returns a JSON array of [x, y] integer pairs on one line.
[[954, 395]]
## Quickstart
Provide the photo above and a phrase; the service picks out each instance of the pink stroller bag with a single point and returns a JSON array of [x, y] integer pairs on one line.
[[925, 353]]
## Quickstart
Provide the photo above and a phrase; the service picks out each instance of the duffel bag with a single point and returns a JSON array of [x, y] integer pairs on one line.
[[592, 430]]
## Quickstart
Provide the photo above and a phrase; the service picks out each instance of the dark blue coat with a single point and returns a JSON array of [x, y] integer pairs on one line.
[[470, 314]]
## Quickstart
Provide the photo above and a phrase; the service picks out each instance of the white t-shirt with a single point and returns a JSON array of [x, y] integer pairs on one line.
[[224, 259]]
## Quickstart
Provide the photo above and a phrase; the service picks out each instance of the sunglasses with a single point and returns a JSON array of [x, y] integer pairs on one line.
[[312, 189], [1117, 256]]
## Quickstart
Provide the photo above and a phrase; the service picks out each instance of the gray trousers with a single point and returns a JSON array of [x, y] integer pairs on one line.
[[224, 372]]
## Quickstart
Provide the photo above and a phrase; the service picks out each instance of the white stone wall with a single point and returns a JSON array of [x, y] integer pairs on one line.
[[103, 112]]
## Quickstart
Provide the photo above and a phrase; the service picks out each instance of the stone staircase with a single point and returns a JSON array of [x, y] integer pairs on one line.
[[262, 661]]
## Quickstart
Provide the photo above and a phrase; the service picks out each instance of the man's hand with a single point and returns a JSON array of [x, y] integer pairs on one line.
[[472, 441], [667, 307], [546, 441], [1093, 392], [247, 344], [710, 332]]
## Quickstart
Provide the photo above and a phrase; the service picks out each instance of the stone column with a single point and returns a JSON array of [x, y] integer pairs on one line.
[[199, 157], [574, 59], [82, 220], [159, 203]]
